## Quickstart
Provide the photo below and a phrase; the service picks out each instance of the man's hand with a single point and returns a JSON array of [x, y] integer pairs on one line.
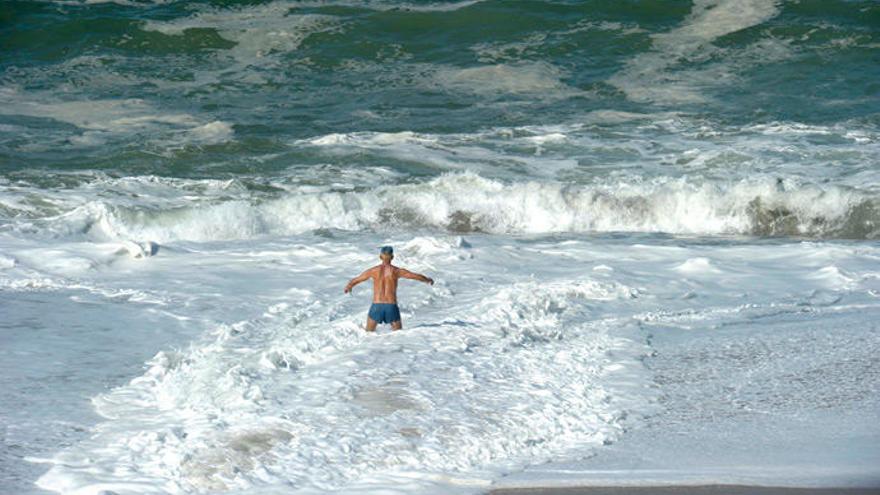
[[347, 289], [429, 281]]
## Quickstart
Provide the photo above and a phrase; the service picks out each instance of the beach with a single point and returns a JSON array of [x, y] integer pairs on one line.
[[688, 490], [652, 230]]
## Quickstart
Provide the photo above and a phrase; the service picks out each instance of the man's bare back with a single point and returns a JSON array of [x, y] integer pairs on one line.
[[385, 276]]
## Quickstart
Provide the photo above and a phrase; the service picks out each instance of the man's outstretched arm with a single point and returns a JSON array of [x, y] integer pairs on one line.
[[360, 278], [404, 273]]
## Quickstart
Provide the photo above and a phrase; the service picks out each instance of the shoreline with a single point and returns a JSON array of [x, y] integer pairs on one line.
[[683, 490]]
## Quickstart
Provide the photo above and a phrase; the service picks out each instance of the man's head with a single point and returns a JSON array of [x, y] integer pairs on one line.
[[386, 253]]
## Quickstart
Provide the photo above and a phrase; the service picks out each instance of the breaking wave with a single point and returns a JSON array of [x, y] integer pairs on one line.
[[466, 202]]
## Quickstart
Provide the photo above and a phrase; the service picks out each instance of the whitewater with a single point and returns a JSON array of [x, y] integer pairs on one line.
[[653, 230]]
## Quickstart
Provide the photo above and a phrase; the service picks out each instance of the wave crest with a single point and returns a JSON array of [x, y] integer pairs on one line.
[[467, 202]]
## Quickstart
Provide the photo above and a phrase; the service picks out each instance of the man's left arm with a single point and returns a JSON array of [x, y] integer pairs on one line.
[[404, 273]]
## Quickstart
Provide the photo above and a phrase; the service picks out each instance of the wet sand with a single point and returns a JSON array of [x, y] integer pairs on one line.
[[682, 490]]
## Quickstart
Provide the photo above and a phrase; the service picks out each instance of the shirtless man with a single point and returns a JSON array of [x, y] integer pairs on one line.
[[385, 276]]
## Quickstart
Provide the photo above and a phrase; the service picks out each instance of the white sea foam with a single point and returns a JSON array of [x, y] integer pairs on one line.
[[653, 76], [537, 42], [372, 138], [365, 4], [259, 31], [390, 5], [698, 266], [537, 77], [212, 132], [139, 250], [102, 115], [859, 136], [129, 3], [509, 51], [522, 352], [98, 119], [583, 149], [6, 262]]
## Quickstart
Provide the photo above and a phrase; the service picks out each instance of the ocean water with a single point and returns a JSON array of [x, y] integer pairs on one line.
[[653, 228]]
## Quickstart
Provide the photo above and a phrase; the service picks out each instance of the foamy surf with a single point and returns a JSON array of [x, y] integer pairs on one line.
[[495, 370], [300, 397]]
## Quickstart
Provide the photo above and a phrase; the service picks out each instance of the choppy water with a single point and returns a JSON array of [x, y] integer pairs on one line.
[[576, 176]]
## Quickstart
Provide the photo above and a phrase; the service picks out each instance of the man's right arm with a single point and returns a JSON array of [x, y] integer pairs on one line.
[[360, 278]]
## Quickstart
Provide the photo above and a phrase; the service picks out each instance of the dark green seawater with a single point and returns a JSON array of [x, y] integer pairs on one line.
[[118, 87]]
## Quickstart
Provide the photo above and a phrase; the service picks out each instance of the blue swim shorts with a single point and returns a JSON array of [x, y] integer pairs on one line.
[[384, 313]]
